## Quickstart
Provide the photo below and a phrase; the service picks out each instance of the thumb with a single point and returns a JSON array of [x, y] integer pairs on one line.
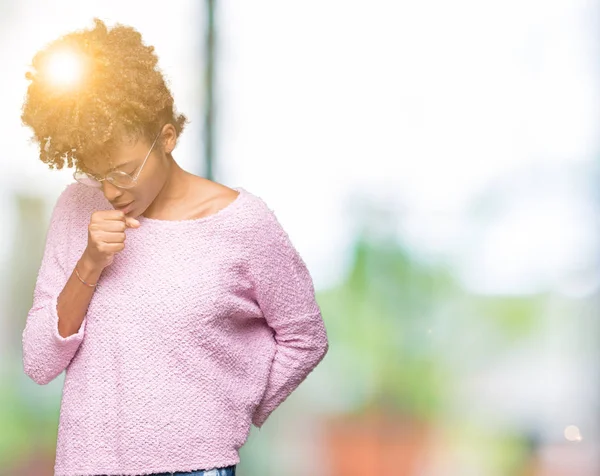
[[131, 222]]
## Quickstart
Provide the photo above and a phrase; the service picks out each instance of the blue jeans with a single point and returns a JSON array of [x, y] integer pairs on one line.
[[225, 471]]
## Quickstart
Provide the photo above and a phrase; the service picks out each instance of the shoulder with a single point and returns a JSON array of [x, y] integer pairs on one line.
[[207, 197], [259, 218], [67, 200], [262, 227], [75, 192], [78, 201]]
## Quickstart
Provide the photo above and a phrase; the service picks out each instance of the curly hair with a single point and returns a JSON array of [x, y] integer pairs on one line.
[[121, 94]]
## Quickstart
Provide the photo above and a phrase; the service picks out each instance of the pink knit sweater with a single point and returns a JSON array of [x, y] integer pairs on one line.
[[199, 328]]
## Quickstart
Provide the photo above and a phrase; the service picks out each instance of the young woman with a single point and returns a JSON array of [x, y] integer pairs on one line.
[[178, 307]]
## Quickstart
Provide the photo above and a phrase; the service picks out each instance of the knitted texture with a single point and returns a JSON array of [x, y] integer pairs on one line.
[[199, 328]]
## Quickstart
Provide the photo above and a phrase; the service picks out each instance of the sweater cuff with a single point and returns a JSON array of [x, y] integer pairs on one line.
[[58, 339]]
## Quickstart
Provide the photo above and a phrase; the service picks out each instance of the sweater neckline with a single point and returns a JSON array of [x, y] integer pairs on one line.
[[221, 213]]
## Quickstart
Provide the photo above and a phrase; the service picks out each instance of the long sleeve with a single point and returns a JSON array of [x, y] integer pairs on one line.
[[283, 289], [45, 352]]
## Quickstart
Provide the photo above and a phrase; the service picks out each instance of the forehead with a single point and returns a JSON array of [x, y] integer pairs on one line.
[[125, 153]]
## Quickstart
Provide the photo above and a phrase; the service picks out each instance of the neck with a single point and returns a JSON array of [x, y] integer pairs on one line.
[[174, 190]]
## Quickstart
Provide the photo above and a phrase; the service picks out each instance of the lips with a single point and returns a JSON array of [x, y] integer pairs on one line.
[[125, 208]]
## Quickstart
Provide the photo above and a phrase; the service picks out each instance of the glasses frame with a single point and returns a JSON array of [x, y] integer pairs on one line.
[[133, 179]]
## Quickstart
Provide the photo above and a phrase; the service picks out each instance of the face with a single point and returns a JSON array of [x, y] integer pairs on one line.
[[129, 157]]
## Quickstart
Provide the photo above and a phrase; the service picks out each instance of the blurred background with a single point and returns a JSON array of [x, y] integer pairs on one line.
[[436, 165]]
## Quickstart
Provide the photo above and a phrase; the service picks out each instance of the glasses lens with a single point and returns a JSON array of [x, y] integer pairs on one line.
[[86, 179], [120, 179]]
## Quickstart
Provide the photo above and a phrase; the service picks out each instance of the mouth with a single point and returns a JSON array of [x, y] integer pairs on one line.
[[125, 208]]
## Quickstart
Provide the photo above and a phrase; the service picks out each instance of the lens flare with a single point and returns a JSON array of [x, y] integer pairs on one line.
[[64, 68]]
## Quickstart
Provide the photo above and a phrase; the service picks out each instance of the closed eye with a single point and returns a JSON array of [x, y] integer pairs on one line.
[[128, 173]]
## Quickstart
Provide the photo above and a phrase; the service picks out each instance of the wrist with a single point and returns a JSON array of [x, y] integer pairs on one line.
[[87, 266]]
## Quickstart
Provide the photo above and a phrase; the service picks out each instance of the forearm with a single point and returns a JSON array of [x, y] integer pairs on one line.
[[296, 356], [74, 299]]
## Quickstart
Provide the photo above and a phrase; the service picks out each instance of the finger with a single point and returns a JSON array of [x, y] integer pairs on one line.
[[111, 225], [112, 236], [113, 247], [131, 222], [113, 215]]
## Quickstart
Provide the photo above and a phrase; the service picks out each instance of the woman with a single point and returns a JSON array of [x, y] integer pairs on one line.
[[178, 307]]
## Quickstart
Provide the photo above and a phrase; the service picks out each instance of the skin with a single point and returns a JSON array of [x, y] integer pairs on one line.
[[163, 191]]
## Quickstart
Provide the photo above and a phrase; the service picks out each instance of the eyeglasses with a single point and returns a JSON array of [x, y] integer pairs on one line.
[[117, 177]]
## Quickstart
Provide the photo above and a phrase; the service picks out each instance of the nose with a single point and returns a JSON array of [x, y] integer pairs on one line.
[[111, 192]]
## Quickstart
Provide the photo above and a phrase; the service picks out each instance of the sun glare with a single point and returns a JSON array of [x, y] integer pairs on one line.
[[64, 68]]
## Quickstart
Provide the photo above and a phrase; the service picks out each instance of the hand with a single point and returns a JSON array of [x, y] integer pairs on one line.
[[106, 236]]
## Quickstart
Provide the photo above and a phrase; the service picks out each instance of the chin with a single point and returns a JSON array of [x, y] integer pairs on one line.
[[131, 212], [135, 213]]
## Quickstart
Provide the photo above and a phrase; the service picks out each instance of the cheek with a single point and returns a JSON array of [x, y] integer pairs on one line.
[[154, 179], [146, 195]]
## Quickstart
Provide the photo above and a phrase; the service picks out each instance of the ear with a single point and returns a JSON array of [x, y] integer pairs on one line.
[[169, 138]]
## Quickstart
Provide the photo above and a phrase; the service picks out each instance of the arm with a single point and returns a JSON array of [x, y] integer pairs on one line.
[[284, 291], [49, 342], [75, 297]]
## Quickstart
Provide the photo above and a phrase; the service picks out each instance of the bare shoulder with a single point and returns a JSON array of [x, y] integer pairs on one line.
[[218, 194], [210, 196]]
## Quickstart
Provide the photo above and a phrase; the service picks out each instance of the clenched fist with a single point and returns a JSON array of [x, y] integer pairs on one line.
[[106, 236]]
